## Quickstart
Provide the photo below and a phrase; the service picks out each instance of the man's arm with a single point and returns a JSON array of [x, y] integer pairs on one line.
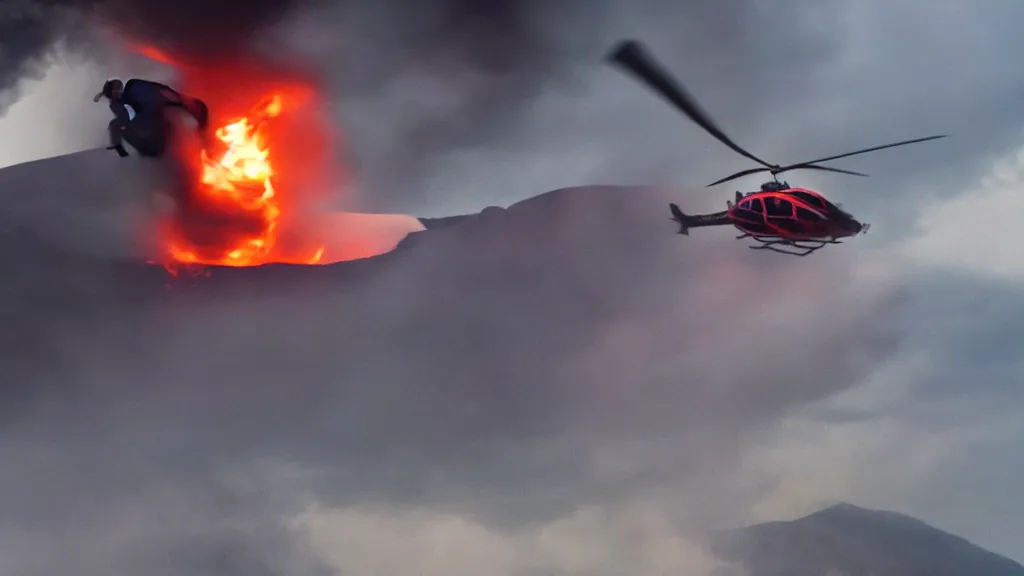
[[121, 113]]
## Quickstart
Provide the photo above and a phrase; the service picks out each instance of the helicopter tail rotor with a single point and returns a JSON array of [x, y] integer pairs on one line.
[[680, 218]]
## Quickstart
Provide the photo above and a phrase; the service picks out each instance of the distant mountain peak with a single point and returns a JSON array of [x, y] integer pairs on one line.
[[851, 512], [856, 541], [845, 507]]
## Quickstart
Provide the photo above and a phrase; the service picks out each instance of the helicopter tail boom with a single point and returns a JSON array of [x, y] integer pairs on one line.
[[687, 221]]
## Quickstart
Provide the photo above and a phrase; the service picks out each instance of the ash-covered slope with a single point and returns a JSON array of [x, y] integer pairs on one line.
[[92, 202], [59, 274], [846, 540]]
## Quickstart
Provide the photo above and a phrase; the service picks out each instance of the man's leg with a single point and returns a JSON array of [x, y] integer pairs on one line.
[[145, 133], [116, 130]]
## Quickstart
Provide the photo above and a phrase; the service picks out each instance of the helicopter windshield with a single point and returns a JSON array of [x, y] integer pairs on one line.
[[810, 199]]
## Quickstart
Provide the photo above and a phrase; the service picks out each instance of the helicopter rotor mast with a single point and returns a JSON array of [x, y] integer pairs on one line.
[[631, 56]]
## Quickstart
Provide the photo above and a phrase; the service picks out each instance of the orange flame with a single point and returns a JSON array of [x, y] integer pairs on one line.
[[153, 53], [240, 182]]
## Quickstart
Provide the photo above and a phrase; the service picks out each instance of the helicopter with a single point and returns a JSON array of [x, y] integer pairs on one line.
[[781, 218]]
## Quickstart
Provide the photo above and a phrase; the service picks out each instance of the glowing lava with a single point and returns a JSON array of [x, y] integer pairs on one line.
[[237, 182]]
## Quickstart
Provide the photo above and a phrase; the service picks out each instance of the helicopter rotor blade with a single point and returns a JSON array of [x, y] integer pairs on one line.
[[740, 174], [825, 168], [750, 171], [633, 57], [865, 150], [828, 169]]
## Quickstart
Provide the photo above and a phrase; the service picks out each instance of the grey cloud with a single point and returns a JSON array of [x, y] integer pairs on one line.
[[574, 350], [565, 352], [432, 95], [950, 404], [979, 472], [32, 30], [796, 81], [29, 30], [969, 328], [438, 104], [493, 37], [157, 526]]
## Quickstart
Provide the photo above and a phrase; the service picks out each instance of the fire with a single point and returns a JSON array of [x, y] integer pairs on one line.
[[252, 193], [238, 182]]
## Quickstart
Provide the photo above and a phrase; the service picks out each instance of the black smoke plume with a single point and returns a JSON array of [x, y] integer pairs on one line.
[[491, 35]]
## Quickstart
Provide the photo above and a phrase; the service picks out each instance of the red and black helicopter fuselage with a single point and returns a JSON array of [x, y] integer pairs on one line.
[[780, 216]]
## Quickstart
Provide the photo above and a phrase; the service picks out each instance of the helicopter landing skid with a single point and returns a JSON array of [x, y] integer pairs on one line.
[[777, 244]]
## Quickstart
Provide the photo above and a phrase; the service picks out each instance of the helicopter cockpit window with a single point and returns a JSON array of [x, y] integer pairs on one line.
[[810, 199], [779, 208], [753, 205], [807, 215]]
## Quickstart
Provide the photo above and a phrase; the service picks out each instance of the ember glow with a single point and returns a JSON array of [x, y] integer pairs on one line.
[[238, 180]]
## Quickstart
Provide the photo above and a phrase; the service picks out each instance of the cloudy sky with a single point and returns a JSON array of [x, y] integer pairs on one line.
[[593, 397]]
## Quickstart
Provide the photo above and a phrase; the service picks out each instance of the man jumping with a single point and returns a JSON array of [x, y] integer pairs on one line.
[[138, 107]]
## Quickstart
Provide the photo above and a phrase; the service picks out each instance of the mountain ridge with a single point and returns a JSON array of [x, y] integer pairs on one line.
[[849, 540]]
